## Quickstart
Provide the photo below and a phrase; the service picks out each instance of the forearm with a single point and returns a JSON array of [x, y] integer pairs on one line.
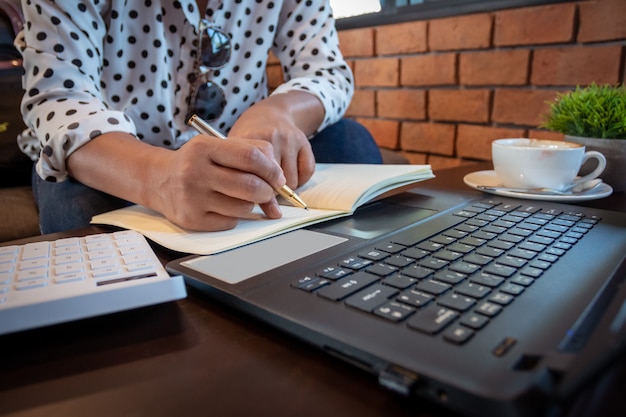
[[120, 165]]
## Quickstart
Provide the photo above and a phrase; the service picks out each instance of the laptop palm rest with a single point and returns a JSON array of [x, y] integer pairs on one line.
[[267, 255]]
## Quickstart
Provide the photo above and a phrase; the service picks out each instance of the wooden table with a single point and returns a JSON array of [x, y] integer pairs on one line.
[[193, 358]]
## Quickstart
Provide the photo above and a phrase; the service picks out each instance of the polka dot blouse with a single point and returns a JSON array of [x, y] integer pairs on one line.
[[99, 66]]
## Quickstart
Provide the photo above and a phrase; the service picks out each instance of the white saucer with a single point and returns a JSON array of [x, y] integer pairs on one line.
[[490, 179]]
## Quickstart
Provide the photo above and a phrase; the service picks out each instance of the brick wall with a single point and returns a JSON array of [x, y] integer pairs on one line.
[[439, 91]]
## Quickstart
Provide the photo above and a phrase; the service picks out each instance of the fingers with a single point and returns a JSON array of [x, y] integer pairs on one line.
[[249, 161], [306, 165], [213, 183]]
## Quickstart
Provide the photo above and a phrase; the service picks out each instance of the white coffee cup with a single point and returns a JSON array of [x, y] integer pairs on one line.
[[535, 163]]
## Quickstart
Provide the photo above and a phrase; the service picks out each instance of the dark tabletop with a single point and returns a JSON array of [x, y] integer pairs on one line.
[[194, 357]]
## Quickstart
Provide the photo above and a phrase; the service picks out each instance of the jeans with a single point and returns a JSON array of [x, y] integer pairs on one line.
[[70, 205]]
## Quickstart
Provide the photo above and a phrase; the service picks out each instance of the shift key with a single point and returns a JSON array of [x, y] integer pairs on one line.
[[348, 285]]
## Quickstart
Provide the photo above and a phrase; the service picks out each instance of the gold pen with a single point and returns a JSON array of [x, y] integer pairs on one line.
[[205, 128]]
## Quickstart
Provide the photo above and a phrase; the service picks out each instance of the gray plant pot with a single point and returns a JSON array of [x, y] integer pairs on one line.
[[615, 152]]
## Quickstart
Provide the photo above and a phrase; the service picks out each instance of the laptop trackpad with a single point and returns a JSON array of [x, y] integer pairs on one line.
[[240, 264]]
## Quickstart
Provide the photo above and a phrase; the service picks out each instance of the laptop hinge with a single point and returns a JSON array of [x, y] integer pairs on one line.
[[398, 379]]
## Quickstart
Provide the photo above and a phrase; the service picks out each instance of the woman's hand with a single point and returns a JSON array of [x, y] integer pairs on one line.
[[285, 120], [210, 183], [206, 185]]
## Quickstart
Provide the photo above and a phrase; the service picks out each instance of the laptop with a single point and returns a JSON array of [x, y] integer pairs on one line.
[[486, 305]]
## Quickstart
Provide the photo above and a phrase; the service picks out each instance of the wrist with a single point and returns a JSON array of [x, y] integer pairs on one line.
[[304, 110]]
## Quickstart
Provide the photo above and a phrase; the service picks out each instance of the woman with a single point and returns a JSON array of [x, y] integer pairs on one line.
[[111, 84]]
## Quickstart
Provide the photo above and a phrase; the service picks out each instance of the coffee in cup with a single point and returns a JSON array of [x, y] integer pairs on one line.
[[535, 163]]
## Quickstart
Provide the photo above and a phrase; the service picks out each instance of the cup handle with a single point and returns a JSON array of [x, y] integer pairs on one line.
[[596, 172]]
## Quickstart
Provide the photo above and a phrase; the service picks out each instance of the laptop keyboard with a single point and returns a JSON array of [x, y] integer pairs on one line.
[[456, 281]]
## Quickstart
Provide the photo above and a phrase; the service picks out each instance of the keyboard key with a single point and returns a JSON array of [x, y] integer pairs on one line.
[[458, 334], [371, 297], [68, 269], [501, 298], [399, 261], [391, 247], [417, 271], [415, 298], [489, 309], [31, 274], [474, 321], [432, 319], [36, 250], [449, 277], [511, 288], [347, 286], [31, 284], [8, 250], [433, 287], [394, 311], [523, 280], [355, 263], [310, 283], [381, 269], [456, 301], [478, 259], [333, 272], [464, 267], [500, 270], [374, 255], [399, 281], [433, 263], [67, 259], [472, 289], [486, 279]]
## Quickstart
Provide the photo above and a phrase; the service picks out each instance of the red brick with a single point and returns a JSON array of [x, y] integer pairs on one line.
[[401, 104], [459, 105], [464, 32], [506, 67], [435, 138], [535, 25], [376, 72], [602, 20], [474, 142], [363, 104], [427, 70], [416, 158], [576, 65], [521, 107], [385, 132], [357, 42], [401, 38]]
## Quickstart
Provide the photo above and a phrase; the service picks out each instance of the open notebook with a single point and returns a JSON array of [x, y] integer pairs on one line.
[[335, 190]]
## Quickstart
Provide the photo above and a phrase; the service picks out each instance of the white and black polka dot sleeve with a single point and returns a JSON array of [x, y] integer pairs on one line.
[[62, 103], [308, 47]]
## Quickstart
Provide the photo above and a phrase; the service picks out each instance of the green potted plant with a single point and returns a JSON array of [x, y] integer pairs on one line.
[[594, 116]]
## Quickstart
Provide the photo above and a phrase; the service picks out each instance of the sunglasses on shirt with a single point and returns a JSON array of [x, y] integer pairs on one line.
[[207, 99]]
